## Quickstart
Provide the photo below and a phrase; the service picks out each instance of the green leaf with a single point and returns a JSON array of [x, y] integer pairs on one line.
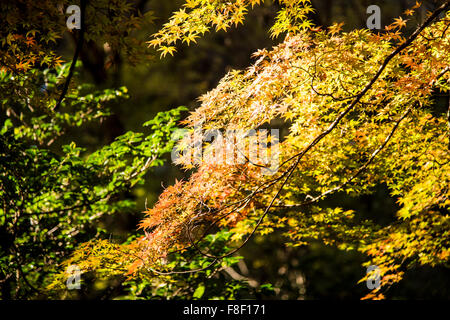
[[198, 293]]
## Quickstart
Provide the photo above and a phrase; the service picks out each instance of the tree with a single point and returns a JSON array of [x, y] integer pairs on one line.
[[356, 110], [359, 110], [53, 195]]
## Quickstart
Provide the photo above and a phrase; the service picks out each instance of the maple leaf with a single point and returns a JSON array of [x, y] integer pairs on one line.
[[409, 12], [399, 23], [335, 28], [165, 50], [417, 5]]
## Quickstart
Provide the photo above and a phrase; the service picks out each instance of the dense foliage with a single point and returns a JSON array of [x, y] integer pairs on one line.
[[357, 110]]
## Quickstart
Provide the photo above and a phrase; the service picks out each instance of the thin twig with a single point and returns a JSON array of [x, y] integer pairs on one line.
[[75, 56]]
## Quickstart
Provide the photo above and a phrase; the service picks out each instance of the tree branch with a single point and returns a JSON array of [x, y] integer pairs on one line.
[[75, 56]]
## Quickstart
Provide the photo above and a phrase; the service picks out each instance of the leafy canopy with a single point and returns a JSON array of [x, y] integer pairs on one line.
[[360, 112]]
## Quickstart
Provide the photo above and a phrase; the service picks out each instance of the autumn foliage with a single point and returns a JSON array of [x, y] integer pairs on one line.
[[358, 111]]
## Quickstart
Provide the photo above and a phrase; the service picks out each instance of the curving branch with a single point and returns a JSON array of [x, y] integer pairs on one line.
[[299, 156], [75, 56], [359, 171]]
